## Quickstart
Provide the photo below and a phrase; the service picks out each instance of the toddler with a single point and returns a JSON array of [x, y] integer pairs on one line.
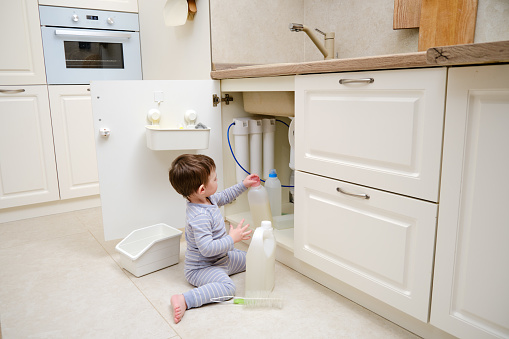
[[210, 255]]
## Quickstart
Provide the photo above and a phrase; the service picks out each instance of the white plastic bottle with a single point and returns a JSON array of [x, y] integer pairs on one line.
[[259, 205], [261, 260], [273, 187]]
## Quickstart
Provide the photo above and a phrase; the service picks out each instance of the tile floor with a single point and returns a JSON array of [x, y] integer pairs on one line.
[[60, 279]]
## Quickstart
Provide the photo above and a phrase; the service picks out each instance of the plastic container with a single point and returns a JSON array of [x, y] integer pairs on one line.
[[259, 205], [273, 187], [261, 260], [150, 249]]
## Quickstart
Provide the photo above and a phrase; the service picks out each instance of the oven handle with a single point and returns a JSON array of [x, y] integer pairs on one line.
[[92, 34]]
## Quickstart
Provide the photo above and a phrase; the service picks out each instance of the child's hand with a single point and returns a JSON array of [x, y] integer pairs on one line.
[[239, 233], [251, 180]]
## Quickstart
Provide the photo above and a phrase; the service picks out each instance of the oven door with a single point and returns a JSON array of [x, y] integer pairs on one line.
[[77, 56]]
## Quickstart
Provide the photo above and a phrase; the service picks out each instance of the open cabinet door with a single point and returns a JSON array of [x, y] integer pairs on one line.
[[133, 179]]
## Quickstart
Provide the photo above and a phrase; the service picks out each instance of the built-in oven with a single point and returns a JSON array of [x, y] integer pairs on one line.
[[81, 45]]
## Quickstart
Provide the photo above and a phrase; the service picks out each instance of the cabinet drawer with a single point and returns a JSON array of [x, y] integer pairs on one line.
[[382, 246], [385, 134]]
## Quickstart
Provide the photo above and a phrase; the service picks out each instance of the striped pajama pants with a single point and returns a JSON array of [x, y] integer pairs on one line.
[[214, 281]]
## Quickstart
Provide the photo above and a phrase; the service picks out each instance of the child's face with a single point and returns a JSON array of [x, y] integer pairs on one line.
[[211, 186]]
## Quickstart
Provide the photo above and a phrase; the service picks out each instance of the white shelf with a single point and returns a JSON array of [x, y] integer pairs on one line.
[[284, 238]]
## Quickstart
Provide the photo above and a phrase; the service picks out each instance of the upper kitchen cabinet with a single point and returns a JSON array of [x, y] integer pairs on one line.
[[470, 298], [381, 129], [108, 5], [27, 161], [21, 60]]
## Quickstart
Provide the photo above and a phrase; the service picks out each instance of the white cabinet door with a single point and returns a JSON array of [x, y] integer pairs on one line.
[[385, 134], [73, 132], [134, 184], [27, 162], [471, 280], [382, 246], [21, 59], [108, 5]]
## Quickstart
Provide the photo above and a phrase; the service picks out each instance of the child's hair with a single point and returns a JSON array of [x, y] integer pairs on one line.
[[189, 171]]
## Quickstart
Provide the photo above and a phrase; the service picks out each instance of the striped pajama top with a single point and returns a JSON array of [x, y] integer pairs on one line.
[[206, 236]]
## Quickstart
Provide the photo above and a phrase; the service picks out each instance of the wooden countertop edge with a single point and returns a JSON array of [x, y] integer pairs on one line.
[[470, 54], [479, 53], [407, 60]]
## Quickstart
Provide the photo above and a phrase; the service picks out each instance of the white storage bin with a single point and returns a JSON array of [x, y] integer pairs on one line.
[[150, 249]]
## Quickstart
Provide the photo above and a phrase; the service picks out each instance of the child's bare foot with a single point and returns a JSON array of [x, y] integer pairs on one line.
[[179, 307]]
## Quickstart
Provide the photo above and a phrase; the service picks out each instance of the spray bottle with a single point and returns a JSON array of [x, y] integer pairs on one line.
[[259, 205], [261, 260]]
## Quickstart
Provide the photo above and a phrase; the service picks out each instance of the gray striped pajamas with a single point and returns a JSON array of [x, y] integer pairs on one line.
[[210, 255]]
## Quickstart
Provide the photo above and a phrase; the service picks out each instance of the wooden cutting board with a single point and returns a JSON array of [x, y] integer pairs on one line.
[[447, 22], [407, 14]]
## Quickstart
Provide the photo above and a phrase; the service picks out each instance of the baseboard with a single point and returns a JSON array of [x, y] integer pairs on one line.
[[48, 208]]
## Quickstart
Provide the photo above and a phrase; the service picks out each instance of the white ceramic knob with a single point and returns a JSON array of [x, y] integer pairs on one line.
[[110, 21], [154, 115], [190, 116], [75, 17]]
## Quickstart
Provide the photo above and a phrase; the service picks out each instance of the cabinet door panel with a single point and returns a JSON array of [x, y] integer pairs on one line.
[[73, 130], [386, 134], [382, 246], [21, 59], [470, 296], [27, 160]]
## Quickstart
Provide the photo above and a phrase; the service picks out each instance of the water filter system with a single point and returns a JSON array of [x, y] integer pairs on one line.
[[254, 146]]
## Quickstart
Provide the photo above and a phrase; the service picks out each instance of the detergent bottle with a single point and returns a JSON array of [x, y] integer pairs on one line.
[[261, 260], [259, 205], [273, 187]]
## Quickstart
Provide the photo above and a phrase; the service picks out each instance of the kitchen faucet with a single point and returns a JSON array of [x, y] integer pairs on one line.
[[328, 49]]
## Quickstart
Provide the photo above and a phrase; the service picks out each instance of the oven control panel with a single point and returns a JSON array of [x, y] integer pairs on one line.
[[88, 18]]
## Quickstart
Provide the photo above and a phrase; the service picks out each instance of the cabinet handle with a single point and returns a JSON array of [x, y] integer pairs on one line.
[[363, 196], [11, 91], [350, 81]]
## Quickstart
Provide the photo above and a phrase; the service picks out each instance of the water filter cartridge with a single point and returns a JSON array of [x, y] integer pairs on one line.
[[255, 146], [269, 131], [241, 137]]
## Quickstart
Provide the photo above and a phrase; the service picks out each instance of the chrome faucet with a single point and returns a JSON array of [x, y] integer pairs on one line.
[[327, 48]]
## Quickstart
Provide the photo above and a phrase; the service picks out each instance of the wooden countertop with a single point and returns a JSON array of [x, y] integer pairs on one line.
[[470, 54]]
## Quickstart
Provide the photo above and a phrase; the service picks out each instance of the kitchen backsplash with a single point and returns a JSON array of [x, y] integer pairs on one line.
[[257, 31]]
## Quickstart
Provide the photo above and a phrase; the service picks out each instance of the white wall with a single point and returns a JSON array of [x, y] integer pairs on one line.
[[174, 53]]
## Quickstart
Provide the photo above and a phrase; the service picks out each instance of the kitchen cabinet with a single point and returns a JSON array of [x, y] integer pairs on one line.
[[379, 129], [27, 160], [470, 298], [368, 156], [21, 60], [73, 134], [381, 245], [108, 5]]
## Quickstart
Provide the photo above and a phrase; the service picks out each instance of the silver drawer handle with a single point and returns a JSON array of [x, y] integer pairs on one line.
[[11, 91], [351, 81], [363, 196]]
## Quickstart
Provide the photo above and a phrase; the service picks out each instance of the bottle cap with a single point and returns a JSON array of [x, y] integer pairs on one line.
[[272, 173], [266, 224]]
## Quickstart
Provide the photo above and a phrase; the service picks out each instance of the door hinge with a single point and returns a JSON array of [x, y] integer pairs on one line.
[[216, 100]]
